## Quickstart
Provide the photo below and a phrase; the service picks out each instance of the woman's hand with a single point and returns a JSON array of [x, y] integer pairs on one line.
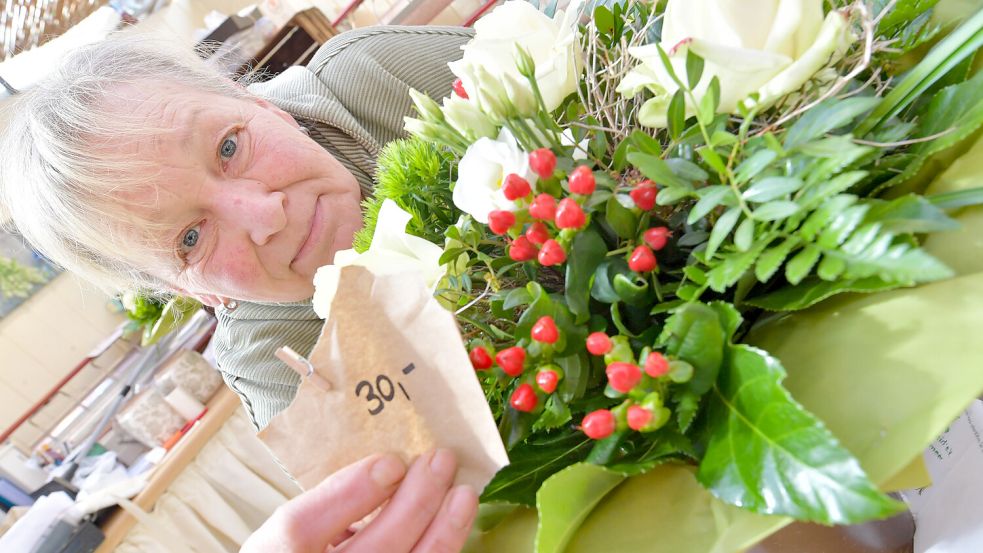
[[423, 513]]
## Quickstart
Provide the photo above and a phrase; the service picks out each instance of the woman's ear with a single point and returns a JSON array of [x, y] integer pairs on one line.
[[267, 105]]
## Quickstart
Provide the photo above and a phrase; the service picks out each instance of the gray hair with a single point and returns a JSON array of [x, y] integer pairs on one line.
[[61, 191]]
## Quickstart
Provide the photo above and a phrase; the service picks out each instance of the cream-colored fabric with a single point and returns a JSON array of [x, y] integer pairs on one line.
[[223, 495]]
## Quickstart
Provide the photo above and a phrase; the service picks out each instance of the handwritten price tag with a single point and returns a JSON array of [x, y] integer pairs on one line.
[[383, 390]]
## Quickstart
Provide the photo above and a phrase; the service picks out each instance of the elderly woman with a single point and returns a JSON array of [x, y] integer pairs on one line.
[[138, 167]]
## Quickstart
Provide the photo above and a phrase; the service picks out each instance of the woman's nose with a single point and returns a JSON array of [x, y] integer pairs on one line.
[[261, 213]]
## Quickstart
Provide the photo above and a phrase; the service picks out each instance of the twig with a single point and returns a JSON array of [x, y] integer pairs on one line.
[[928, 138]]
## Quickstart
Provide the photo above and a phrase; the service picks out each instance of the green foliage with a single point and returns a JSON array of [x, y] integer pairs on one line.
[[415, 174], [16, 279]]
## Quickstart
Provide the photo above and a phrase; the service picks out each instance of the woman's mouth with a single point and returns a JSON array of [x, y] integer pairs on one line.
[[314, 235]]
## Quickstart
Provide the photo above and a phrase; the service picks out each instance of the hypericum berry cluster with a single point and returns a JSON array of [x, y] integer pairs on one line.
[[542, 226], [642, 381], [534, 385]]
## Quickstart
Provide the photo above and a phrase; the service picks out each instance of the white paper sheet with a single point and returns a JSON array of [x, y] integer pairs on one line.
[[949, 513]]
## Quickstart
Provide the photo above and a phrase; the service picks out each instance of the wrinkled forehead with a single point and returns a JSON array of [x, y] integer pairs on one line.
[[158, 119]]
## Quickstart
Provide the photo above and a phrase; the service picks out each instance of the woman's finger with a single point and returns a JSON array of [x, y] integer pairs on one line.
[[411, 510], [449, 529], [321, 516]]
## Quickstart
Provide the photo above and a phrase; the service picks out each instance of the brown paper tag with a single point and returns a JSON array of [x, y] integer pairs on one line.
[[401, 382]]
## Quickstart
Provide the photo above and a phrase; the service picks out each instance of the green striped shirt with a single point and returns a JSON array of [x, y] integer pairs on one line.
[[352, 97]]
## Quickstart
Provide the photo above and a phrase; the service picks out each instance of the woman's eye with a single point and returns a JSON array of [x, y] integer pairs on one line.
[[190, 239], [229, 147]]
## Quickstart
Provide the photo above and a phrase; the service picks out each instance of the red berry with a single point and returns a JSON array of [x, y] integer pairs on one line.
[[598, 343], [524, 398], [515, 187], [522, 249], [642, 260], [552, 253], [480, 359], [543, 161], [543, 207], [644, 195], [500, 221], [545, 330], [623, 376], [582, 181], [656, 237], [459, 89], [537, 233], [656, 365], [569, 214], [511, 360], [547, 380], [598, 424], [638, 417]]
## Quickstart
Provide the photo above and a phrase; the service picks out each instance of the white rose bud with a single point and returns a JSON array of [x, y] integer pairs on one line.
[[768, 47], [467, 119]]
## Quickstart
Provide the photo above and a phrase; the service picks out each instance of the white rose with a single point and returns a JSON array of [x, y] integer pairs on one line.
[[467, 119], [489, 71], [482, 171], [392, 251], [772, 47]]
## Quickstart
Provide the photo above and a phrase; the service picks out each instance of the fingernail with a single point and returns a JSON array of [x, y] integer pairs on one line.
[[463, 506], [443, 464], [388, 470]]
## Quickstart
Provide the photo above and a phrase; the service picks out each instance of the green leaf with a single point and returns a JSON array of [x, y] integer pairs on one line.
[[687, 406], [744, 235], [822, 190], [708, 109], [757, 162], [955, 112], [733, 267], [911, 213], [800, 265], [841, 226], [603, 288], [586, 253], [822, 216], [813, 290], [828, 115], [676, 115], [654, 168], [710, 197], [694, 68], [623, 220], [948, 53], [687, 169], [694, 334], [531, 463], [775, 210], [603, 20], [721, 229], [957, 198], [576, 375], [899, 262], [667, 65], [660, 447], [770, 260], [769, 455], [554, 415], [830, 268], [517, 297], [566, 499], [713, 159], [645, 144], [772, 188], [671, 196]]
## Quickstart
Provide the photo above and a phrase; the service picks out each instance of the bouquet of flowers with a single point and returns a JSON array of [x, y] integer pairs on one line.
[[634, 209]]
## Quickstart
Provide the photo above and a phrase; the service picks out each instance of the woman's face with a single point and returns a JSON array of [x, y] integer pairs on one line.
[[252, 205]]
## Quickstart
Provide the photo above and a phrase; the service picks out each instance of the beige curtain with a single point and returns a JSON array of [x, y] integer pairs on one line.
[[25, 24]]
